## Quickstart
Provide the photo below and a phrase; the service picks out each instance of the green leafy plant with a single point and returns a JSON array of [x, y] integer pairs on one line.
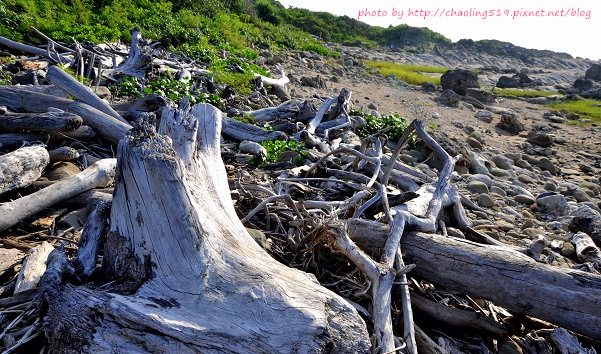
[[5, 78], [275, 147], [127, 88], [397, 123]]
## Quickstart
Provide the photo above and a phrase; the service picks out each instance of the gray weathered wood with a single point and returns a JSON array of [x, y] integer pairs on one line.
[[31, 49], [243, 131], [568, 298], [19, 100], [21, 167], [99, 174], [89, 243], [137, 61], [198, 280], [83, 93], [33, 268], [63, 153], [18, 139], [56, 121]]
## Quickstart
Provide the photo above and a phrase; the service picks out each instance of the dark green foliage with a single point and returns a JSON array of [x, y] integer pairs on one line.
[[166, 86], [275, 147], [397, 123]]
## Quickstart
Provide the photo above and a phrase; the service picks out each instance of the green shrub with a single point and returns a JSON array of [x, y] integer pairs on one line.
[[397, 123], [275, 147], [317, 48]]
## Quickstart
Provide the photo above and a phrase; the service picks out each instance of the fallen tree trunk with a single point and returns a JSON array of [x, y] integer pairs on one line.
[[243, 131], [56, 121], [19, 100], [83, 93], [99, 174], [197, 280], [567, 298]]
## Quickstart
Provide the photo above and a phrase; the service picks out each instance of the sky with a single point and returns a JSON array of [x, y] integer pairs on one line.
[[576, 30]]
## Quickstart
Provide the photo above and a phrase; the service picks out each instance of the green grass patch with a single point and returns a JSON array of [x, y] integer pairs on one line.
[[589, 109], [411, 74], [515, 93]]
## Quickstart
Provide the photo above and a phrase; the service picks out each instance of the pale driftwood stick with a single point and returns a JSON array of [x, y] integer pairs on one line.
[[89, 244], [283, 80], [320, 113], [20, 100], [21, 167], [508, 278], [586, 250], [54, 121], [34, 266], [64, 153], [83, 93], [100, 174], [30, 49], [243, 131]]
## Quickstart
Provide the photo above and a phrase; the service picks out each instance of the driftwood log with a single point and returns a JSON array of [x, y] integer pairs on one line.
[[99, 174], [21, 167], [568, 298], [83, 93], [21, 100], [54, 121], [197, 280]]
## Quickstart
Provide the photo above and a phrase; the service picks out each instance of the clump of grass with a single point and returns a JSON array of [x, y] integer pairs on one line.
[[515, 93], [411, 74], [590, 109]]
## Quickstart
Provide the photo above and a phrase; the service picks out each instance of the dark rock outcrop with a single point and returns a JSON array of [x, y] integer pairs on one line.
[[459, 80]]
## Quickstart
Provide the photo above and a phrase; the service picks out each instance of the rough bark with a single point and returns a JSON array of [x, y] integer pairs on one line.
[[204, 284], [567, 298]]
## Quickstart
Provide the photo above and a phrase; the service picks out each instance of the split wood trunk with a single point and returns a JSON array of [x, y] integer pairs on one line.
[[197, 280]]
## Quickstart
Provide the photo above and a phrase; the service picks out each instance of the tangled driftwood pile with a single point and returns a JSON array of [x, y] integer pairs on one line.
[[190, 251]]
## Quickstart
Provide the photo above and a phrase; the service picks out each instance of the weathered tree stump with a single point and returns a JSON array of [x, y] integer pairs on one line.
[[189, 275]]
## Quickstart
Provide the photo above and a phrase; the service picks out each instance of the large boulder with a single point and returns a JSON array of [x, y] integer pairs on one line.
[[449, 98], [508, 82], [459, 80], [483, 96], [583, 84], [594, 72]]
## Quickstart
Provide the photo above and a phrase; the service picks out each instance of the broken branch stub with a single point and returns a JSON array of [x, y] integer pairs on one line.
[[200, 282]]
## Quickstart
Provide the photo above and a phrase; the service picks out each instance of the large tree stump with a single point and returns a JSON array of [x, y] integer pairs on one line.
[[189, 275]]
